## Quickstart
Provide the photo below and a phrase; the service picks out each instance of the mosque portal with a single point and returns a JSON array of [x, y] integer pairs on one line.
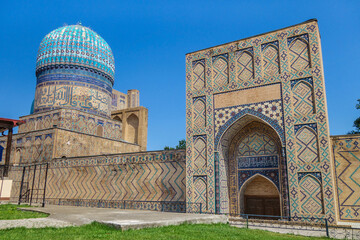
[[254, 163]]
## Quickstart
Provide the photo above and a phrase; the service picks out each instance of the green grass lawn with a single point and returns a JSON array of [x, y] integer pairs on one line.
[[11, 211], [185, 231]]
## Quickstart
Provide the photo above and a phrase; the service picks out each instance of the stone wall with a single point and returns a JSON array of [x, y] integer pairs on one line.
[[346, 157], [147, 176], [73, 120], [43, 145]]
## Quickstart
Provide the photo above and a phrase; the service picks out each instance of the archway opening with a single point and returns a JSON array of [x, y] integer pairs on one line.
[[132, 128], [255, 179], [260, 196]]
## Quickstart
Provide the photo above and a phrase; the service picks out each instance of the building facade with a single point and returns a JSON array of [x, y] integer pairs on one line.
[[257, 127], [257, 133]]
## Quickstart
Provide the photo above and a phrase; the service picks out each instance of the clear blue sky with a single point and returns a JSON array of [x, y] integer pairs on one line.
[[150, 39]]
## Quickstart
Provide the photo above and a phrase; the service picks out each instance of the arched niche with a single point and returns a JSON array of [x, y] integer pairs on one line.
[[100, 131], [117, 118], [132, 128], [259, 196], [227, 168]]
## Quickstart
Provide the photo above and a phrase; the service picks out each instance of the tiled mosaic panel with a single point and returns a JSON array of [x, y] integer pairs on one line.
[[311, 196], [199, 152], [34, 147], [245, 64], [84, 98], [199, 75], [270, 58], [299, 52], [270, 109], [147, 176], [256, 144], [73, 120], [303, 99], [200, 191], [347, 170], [306, 145], [252, 148], [94, 52], [216, 199], [199, 114], [220, 70]]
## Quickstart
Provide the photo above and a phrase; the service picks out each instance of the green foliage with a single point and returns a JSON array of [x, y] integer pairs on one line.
[[10, 212], [357, 121], [185, 231], [181, 145]]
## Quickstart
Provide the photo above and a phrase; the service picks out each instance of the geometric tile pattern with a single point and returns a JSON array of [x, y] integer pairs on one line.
[[311, 195], [270, 53], [245, 64], [220, 70], [199, 113], [299, 52], [199, 152], [199, 75], [146, 176], [73, 120], [74, 69], [271, 109], [274, 69], [307, 145], [254, 144], [347, 171], [200, 192], [303, 99]]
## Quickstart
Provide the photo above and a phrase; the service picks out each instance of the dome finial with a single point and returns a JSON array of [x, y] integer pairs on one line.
[[78, 23]]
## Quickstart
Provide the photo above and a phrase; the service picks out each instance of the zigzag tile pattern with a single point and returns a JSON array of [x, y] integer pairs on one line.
[[149, 176], [347, 171]]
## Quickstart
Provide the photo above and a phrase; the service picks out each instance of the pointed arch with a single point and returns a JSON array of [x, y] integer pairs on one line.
[[245, 65], [303, 99], [132, 128], [200, 156], [299, 54], [259, 186], [307, 145], [311, 197], [100, 131], [199, 75], [199, 114], [270, 60], [200, 191], [220, 71], [117, 118]]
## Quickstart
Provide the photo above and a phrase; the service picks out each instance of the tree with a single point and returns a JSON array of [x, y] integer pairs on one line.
[[181, 145], [357, 121]]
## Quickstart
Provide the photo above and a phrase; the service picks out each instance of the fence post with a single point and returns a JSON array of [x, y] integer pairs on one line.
[[247, 221], [327, 227], [33, 182], [200, 208], [21, 186], [46, 172]]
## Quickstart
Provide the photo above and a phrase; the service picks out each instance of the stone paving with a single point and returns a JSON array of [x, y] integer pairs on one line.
[[61, 216]]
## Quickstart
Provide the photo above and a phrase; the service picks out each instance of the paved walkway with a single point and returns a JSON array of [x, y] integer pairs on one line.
[[61, 216]]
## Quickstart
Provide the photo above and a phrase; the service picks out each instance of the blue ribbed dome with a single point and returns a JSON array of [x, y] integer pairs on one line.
[[76, 45]]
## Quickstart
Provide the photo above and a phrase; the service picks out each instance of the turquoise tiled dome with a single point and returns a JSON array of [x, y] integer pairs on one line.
[[76, 45]]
